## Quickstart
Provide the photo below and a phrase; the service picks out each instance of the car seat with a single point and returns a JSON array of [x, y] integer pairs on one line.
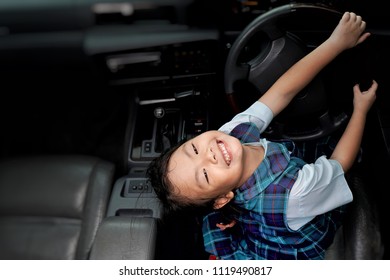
[[359, 238], [51, 206], [125, 238]]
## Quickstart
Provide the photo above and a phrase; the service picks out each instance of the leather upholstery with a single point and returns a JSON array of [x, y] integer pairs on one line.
[[125, 238], [360, 236], [51, 206]]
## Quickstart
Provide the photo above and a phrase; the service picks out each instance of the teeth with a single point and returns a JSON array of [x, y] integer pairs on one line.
[[224, 152]]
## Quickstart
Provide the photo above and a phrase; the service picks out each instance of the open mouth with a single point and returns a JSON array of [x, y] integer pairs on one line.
[[224, 151]]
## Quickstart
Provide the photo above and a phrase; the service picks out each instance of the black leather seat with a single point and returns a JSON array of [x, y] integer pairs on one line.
[[359, 238], [125, 238], [51, 206]]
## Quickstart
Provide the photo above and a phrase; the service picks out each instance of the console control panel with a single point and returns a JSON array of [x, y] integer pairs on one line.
[[136, 186]]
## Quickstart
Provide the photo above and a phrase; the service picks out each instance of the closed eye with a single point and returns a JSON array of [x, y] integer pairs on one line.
[[195, 149], [205, 175]]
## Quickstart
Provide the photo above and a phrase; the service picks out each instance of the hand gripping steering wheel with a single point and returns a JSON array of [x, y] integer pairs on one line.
[[282, 49]]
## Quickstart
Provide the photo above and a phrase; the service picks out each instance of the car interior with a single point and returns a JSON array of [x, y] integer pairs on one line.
[[94, 90]]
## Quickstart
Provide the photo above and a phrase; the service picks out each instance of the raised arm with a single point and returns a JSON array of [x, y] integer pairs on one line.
[[348, 33], [349, 144]]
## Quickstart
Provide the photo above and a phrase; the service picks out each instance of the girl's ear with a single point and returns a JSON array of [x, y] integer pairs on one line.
[[222, 200]]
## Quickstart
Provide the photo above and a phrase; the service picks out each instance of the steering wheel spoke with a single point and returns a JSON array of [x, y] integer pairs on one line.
[[237, 73], [269, 66]]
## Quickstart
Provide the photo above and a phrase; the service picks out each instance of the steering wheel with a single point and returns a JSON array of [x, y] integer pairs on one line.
[[281, 49]]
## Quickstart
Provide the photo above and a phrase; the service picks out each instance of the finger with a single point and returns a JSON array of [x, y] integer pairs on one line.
[[362, 26], [358, 19], [373, 87], [352, 16], [363, 37], [345, 17], [221, 226], [356, 89]]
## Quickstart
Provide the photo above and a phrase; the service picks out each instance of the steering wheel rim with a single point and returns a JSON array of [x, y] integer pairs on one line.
[[262, 71]]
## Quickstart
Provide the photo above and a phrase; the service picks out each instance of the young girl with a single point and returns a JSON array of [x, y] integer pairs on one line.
[[284, 208]]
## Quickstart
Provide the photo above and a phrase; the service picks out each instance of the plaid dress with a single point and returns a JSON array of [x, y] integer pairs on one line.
[[260, 204]]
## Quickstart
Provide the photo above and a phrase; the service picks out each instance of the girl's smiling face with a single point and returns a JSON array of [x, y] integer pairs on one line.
[[207, 166]]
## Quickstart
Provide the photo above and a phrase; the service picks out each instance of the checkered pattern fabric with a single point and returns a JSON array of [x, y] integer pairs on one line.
[[261, 231]]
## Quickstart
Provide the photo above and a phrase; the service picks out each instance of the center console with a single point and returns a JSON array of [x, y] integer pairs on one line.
[[170, 91]]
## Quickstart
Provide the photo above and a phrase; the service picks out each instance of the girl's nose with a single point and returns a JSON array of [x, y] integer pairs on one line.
[[212, 155]]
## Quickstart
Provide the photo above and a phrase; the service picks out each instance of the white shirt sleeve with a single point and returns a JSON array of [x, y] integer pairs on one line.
[[258, 113], [319, 188]]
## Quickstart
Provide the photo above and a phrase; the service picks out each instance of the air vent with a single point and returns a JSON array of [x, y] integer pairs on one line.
[[109, 13], [127, 13]]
